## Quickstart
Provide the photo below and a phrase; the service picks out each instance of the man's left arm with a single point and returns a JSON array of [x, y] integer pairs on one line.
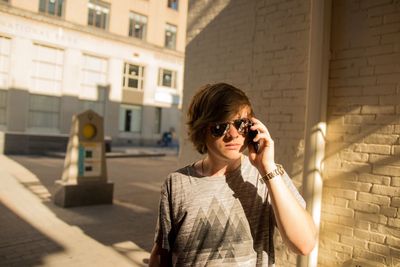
[[294, 222]]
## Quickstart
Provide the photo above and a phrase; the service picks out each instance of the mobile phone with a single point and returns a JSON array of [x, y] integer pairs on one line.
[[251, 135]]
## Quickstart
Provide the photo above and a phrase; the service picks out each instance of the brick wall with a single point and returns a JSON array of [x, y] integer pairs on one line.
[[262, 47], [277, 85], [219, 45], [361, 196]]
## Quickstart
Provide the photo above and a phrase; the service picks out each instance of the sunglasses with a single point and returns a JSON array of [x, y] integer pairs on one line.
[[220, 129]]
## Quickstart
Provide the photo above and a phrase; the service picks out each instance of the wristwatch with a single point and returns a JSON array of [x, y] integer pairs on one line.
[[278, 171]]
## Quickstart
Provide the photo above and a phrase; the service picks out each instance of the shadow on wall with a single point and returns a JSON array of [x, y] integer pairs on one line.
[[34, 124], [37, 123], [353, 173]]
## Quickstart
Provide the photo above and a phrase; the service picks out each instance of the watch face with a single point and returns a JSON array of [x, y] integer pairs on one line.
[[89, 131]]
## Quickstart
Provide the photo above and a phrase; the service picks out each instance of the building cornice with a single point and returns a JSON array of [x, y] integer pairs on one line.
[[60, 22]]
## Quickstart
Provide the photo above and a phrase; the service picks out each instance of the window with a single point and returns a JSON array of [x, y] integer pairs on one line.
[[47, 69], [51, 7], [167, 78], [5, 50], [3, 107], [173, 4], [133, 77], [94, 73], [170, 36], [98, 14], [44, 111], [137, 25], [130, 118], [157, 120]]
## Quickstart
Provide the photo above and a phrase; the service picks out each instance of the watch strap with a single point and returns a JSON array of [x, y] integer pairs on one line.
[[278, 171]]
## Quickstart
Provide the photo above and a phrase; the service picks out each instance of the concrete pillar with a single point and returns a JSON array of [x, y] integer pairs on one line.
[[84, 179], [317, 90]]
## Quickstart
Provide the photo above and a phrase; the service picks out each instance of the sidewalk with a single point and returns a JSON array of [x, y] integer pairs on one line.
[[141, 151], [33, 235], [131, 152]]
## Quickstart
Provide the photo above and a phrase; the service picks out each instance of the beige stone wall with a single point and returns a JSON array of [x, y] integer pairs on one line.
[[360, 211], [157, 12], [32, 5], [158, 15], [262, 47]]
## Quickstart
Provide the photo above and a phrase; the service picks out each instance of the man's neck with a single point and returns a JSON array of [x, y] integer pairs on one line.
[[217, 167]]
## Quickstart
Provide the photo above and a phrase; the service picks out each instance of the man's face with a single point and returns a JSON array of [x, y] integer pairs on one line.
[[230, 145]]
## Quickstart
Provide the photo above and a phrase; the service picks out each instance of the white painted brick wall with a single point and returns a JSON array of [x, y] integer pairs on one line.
[[363, 115]]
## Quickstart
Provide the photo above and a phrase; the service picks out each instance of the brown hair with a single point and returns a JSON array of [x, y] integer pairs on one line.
[[213, 103]]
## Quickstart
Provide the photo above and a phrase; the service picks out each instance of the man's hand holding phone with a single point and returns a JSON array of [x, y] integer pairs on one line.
[[261, 147]]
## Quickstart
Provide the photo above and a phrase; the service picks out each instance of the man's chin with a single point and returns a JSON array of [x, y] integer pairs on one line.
[[233, 154]]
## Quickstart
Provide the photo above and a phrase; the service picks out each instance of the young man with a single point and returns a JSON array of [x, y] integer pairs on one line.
[[222, 210]]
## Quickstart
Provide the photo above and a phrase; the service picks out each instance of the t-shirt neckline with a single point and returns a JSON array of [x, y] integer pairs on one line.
[[193, 173]]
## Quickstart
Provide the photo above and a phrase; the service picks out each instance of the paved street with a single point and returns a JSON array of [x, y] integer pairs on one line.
[[124, 230]]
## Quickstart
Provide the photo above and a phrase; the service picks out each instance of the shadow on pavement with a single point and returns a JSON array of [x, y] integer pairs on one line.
[[20, 243], [128, 225]]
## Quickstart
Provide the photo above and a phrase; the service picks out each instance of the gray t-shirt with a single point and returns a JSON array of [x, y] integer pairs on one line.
[[218, 221]]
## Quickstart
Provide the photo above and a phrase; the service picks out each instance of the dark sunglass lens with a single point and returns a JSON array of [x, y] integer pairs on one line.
[[219, 129], [240, 125]]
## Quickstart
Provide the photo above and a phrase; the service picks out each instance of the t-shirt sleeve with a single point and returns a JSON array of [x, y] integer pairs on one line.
[[163, 235]]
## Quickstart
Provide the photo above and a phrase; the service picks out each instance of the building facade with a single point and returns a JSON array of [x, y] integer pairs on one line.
[[325, 78], [121, 58]]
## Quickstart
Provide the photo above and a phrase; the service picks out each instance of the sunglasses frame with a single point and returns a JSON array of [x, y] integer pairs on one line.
[[242, 129]]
